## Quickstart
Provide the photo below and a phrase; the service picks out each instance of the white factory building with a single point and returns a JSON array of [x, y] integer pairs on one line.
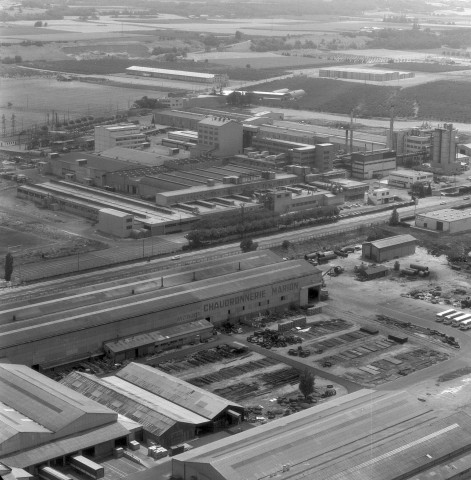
[[406, 178], [446, 220]]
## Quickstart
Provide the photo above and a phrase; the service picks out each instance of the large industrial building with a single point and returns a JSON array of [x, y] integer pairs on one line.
[[443, 152], [366, 74], [365, 435], [62, 330], [216, 79], [376, 164], [43, 422], [171, 410], [389, 248], [446, 220], [302, 197], [113, 212], [219, 137]]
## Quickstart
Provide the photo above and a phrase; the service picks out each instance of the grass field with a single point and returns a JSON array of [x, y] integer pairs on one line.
[[68, 99], [272, 61], [12, 239], [105, 66]]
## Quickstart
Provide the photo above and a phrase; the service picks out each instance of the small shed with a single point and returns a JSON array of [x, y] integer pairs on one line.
[[389, 248]]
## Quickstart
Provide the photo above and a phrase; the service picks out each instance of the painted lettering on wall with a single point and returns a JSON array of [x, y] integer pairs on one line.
[[239, 300], [187, 317], [284, 288]]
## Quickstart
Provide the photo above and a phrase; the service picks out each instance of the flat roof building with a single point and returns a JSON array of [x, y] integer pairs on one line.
[[127, 135], [446, 220], [377, 164], [219, 137], [217, 79], [406, 178], [368, 74], [365, 435], [389, 248]]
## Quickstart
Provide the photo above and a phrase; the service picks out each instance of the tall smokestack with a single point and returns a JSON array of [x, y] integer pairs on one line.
[[351, 131], [391, 129]]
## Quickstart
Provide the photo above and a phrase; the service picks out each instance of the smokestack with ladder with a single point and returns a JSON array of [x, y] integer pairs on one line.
[[351, 130]]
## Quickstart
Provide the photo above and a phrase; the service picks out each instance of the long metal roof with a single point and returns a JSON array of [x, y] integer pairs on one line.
[[136, 341], [171, 72], [392, 241], [36, 403], [66, 446], [88, 316], [177, 274], [177, 391], [156, 414], [366, 435]]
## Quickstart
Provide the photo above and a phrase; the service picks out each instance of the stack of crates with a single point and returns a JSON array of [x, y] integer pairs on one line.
[[285, 326], [160, 452], [157, 452], [133, 445], [118, 452], [299, 322]]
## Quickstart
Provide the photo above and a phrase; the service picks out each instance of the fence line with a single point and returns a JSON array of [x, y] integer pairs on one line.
[[89, 261]]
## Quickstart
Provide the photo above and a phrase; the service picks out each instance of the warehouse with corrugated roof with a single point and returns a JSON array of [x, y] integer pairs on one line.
[[446, 220], [171, 410], [389, 248], [43, 422], [366, 435], [227, 290]]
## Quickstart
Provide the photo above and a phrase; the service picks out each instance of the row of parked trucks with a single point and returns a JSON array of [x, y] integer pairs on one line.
[[455, 318]]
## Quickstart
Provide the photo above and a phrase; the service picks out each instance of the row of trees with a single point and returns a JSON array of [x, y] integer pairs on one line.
[[261, 220]]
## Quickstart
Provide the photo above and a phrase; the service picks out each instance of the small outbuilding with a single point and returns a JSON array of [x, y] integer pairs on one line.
[[389, 248]]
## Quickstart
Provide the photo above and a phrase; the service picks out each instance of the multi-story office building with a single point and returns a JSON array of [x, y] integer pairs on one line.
[[219, 137], [122, 135], [366, 165]]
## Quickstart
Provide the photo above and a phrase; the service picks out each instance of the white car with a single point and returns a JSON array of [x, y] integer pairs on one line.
[[442, 203], [175, 257]]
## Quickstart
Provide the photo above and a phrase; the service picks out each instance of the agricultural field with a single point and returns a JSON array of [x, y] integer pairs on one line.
[[423, 67], [440, 100], [337, 96], [68, 99], [268, 60]]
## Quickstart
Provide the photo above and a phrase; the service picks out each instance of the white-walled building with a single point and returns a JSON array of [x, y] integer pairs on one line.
[[380, 196], [446, 220], [125, 135], [115, 222], [219, 137], [406, 178]]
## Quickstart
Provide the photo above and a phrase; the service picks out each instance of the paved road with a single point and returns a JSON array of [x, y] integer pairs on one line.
[[149, 247], [290, 114]]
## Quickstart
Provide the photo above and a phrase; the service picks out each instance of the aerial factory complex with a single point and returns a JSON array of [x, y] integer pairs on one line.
[[235, 241]]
